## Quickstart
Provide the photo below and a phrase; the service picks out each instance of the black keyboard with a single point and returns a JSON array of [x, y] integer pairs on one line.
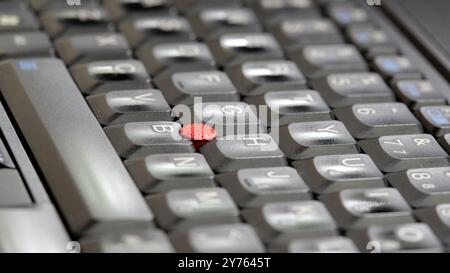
[[218, 126]]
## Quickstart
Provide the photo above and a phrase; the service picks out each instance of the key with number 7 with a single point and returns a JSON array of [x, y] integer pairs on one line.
[[402, 152]]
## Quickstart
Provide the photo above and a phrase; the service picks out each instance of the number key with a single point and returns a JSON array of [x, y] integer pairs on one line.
[[402, 152], [423, 187]]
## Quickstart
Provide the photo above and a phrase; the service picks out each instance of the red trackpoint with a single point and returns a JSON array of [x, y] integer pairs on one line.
[[199, 133]]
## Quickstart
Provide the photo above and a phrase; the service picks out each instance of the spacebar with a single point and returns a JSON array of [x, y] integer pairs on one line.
[[90, 184]]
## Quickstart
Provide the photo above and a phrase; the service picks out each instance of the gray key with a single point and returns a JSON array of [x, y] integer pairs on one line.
[[226, 238], [235, 48], [212, 21], [16, 17], [394, 66], [12, 190], [258, 77], [403, 238], [402, 152], [136, 139], [305, 140], [444, 141], [438, 218], [155, 29], [424, 187], [32, 230], [346, 89], [258, 186], [279, 223], [184, 87], [435, 119], [371, 40], [163, 172], [102, 76], [89, 47], [117, 107], [180, 56], [60, 21], [231, 153], [181, 209], [361, 208], [228, 118], [345, 14], [378, 119], [322, 245], [121, 8], [286, 107], [272, 12], [25, 44], [319, 60], [130, 241], [418, 93], [332, 173], [92, 187], [294, 33]]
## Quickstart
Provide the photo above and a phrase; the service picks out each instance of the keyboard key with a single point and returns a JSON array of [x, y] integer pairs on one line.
[[435, 119], [102, 76], [136, 139], [319, 60], [63, 144], [13, 192], [322, 245], [273, 11], [89, 47], [15, 17], [180, 56], [35, 229], [226, 238], [371, 40], [402, 152], [258, 77], [24, 44], [118, 107], [294, 33], [346, 89], [64, 21], [163, 172], [398, 67], [131, 241], [378, 119], [235, 48], [423, 187], [227, 118], [42, 5], [279, 223], [445, 142], [254, 187], [404, 238], [345, 14], [156, 29], [292, 106], [418, 93], [361, 208], [194, 5], [184, 87], [438, 218], [121, 8], [181, 209], [213, 21], [333, 173], [234, 152], [309, 139]]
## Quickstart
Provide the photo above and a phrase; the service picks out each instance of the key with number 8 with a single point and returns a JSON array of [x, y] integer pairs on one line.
[[402, 152], [423, 187]]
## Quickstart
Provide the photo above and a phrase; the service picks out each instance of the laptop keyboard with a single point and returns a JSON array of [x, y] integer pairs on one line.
[[357, 160]]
